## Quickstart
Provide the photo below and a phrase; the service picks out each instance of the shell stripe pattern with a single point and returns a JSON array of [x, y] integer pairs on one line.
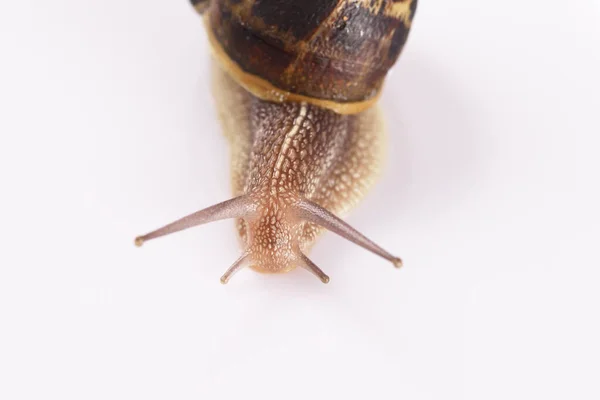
[[326, 52]]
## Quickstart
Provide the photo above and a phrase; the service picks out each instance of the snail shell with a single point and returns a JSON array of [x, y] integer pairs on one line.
[[331, 53], [295, 84]]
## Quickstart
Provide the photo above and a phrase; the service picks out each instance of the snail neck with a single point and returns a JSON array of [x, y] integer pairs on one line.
[[293, 148]]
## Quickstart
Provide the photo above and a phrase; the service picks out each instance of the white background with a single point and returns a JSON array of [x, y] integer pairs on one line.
[[491, 196]]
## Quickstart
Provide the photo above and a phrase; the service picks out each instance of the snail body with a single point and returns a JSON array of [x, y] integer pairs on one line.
[[296, 85]]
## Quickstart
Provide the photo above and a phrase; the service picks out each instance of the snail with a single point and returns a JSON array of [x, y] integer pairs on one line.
[[296, 84]]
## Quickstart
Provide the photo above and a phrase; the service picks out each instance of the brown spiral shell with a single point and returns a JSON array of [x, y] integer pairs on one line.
[[332, 53]]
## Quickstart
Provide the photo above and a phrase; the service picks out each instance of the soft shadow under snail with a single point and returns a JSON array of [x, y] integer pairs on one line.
[[296, 84]]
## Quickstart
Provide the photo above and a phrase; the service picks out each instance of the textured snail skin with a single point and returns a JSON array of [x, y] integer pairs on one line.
[[295, 84], [281, 153]]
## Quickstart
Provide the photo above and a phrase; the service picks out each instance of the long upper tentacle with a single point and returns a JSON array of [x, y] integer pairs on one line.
[[234, 208], [314, 213]]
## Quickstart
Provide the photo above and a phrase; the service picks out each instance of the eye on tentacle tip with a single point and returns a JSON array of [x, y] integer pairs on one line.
[[397, 261]]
